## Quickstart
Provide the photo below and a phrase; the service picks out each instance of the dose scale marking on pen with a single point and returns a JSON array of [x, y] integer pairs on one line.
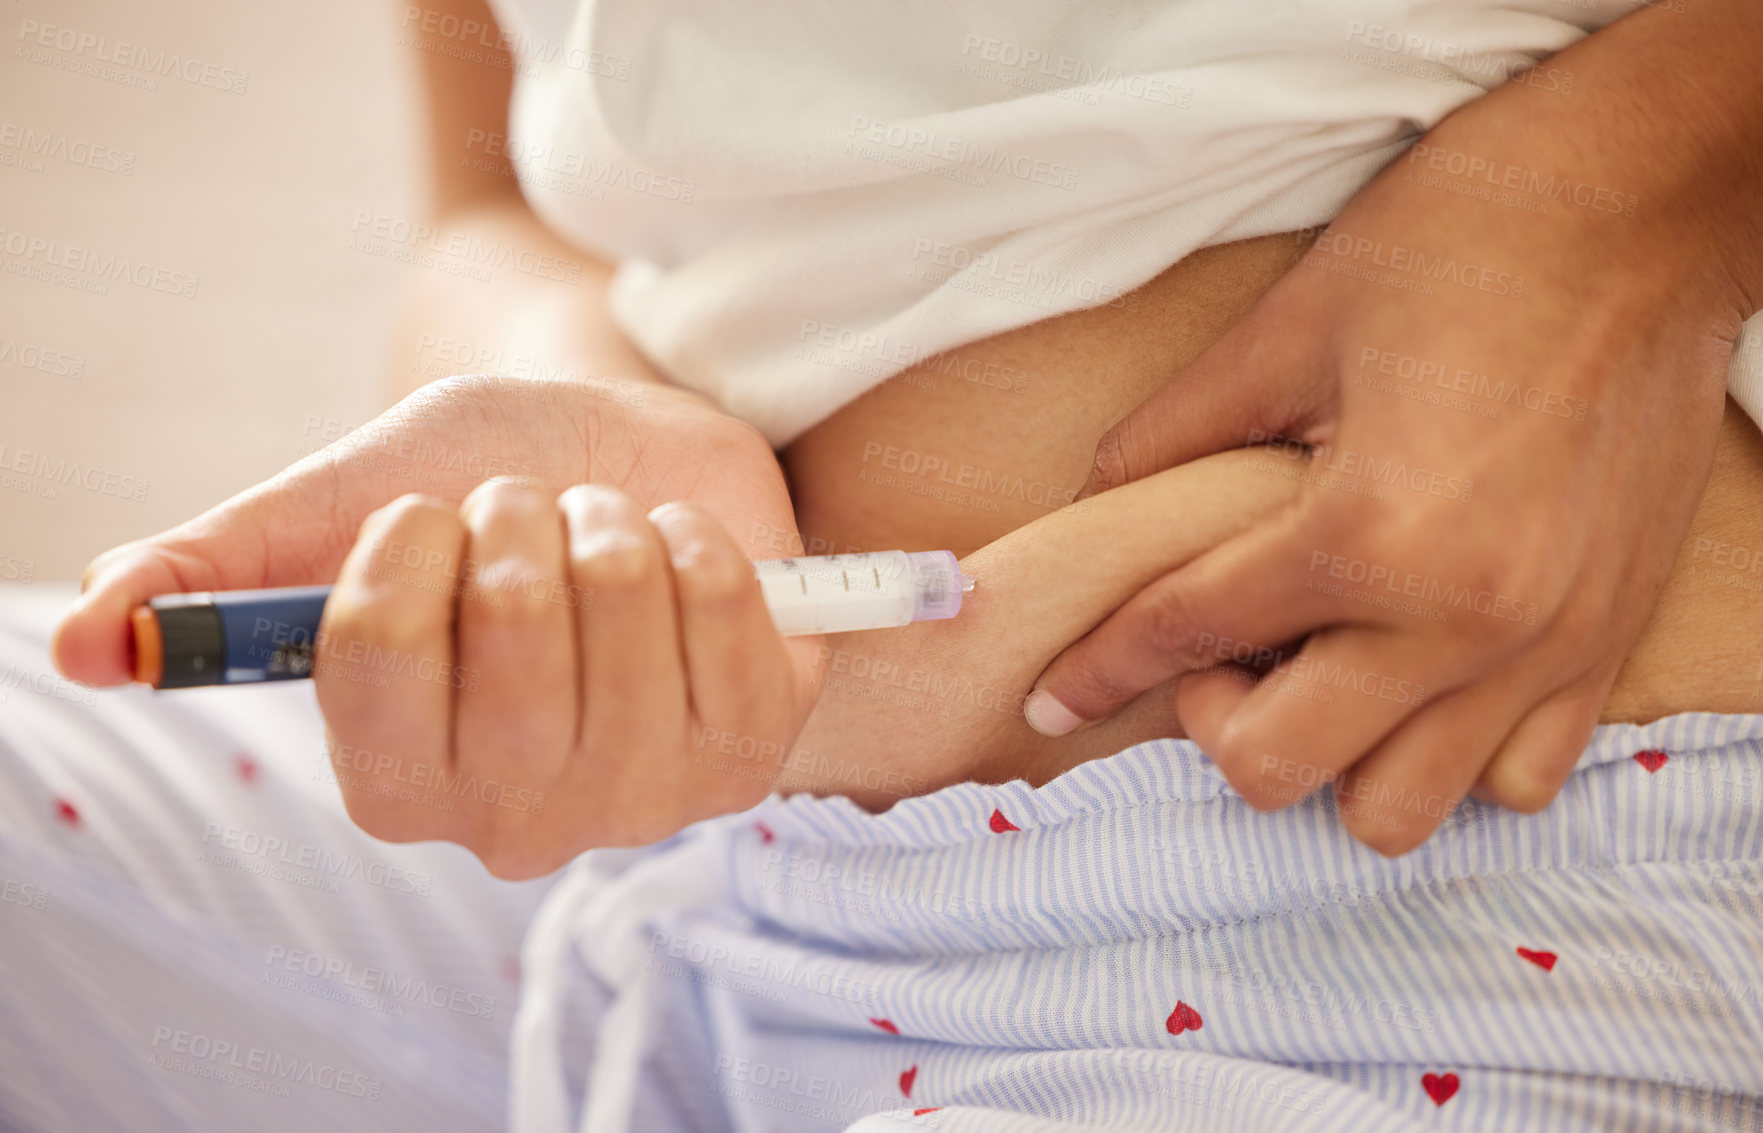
[[226, 637]]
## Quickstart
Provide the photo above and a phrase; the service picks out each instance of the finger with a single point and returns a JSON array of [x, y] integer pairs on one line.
[[516, 630], [1239, 602], [236, 545], [384, 667], [1258, 380], [633, 681], [1205, 698], [738, 671], [1319, 712], [93, 642], [293, 530], [1399, 794], [1533, 763]]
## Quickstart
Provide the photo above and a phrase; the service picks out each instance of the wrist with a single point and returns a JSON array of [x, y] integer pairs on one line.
[[1651, 169]]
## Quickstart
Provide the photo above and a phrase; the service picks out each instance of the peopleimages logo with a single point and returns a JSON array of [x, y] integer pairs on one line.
[[428, 778], [30, 356], [1518, 179], [379, 982], [575, 168], [229, 1056], [461, 35], [947, 151], [465, 249], [46, 473], [939, 261], [1425, 588], [820, 977], [1470, 383], [1396, 49], [316, 859], [102, 267], [1377, 470], [88, 49], [1041, 70], [75, 151], [1411, 261]]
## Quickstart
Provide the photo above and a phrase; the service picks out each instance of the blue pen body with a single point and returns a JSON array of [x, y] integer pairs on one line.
[[238, 636]]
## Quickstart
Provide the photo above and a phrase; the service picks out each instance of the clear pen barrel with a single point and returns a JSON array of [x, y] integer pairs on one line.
[[874, 590]]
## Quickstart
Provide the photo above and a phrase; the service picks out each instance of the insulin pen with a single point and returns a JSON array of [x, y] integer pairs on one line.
[[229, 637]]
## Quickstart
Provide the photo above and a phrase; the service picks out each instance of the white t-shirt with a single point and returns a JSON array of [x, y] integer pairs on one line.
[[805, 196]]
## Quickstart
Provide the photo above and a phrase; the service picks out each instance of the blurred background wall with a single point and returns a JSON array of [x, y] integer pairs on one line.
[[181, 313]]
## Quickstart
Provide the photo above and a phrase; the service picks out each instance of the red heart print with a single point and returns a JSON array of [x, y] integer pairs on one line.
[[247, 767], [765, 834], [907, 1077], [886, 1025], [1183, 1018], [1000, 824], [1441, 1088], [1652, 759], [67, 812], [1543, 960]]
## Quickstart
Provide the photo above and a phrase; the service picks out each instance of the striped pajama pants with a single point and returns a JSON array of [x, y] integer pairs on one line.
[[193, 936]]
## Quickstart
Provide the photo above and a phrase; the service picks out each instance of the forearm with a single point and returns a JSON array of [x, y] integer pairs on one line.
[[522, 324], [1651, 165], [906, 711], [541, 312]]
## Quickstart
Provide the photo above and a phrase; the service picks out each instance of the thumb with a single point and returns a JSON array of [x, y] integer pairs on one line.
[[289, 531], [1260, 380]]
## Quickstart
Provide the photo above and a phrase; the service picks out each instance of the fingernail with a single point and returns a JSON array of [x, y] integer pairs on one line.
[[1047, 716]]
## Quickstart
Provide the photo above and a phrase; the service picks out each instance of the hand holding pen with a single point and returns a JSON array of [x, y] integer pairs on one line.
[[519, 648], [531, 674], [400, 750]]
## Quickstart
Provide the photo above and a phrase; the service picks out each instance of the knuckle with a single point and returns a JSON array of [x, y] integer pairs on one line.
[[580, 496], [1493, 585], [1389, 836], [417, 507], [1108, 465], [1518, 785], [1087, 686], [1584, 623], [1169, 624], [515, 851], [104, 561], [399, 619], [517, 493], [509, 861], [738, 794], [385, 817], [1242, 747], [1265, 793], [613, 562], [591, 506], [709, 575], [414, 533], [1267, 781]]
